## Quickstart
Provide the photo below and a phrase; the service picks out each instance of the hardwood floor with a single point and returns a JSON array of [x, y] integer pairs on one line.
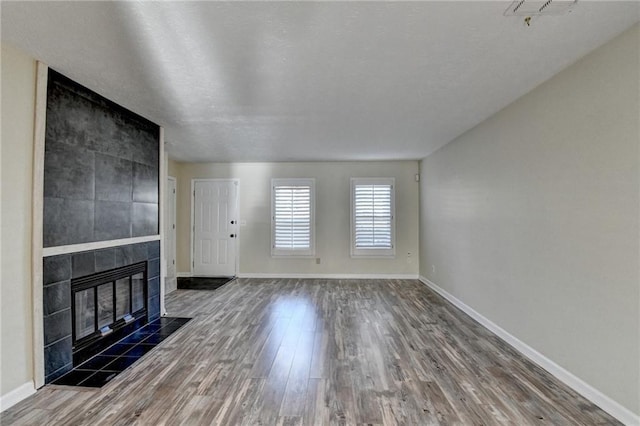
[[317, 352]]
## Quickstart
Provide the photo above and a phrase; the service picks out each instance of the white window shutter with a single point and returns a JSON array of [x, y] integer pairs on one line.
[[292, 221], [373, 217]]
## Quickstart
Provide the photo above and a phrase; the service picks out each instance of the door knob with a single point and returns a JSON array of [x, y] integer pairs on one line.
[[232, 235], [233, 222]]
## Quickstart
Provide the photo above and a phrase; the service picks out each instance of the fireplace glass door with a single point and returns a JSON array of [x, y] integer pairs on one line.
[[85, 307], [106, 301]]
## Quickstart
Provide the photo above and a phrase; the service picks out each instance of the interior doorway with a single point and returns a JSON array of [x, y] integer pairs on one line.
[[170, 235]]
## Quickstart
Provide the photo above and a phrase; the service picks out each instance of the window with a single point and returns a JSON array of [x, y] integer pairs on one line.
[[372, 217], [292, 217]]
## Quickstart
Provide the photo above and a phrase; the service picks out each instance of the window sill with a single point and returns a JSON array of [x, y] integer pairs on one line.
[[294, 255]]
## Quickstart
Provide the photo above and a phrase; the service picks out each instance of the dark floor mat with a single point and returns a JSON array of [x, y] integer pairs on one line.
[[202, 283]]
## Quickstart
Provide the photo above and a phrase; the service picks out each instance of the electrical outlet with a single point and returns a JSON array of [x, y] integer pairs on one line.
[[317, 260]]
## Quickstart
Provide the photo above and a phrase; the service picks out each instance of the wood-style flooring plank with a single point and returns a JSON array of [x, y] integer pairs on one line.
[[319, 352]]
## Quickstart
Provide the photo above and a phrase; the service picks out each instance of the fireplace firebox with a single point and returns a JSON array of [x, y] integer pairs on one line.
[[106, 302]]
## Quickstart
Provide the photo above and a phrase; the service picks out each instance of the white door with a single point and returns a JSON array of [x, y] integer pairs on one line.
[[215, 220], [170, 235]]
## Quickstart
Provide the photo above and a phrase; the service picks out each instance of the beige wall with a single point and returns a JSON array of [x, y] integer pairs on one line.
[[172, 168], [531, 218], [18, 104], [332, 215]]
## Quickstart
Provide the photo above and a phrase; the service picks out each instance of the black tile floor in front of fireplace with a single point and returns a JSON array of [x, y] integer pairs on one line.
[[100, 369]]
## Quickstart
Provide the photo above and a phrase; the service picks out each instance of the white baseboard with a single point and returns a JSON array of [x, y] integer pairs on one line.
[[612, 407], [18, 394], [332, 276], [183, 275]]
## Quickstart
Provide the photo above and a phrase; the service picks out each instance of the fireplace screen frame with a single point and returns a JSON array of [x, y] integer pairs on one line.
[[96, 280]]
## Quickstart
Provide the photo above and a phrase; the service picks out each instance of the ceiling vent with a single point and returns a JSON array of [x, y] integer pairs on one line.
[[539, 7]]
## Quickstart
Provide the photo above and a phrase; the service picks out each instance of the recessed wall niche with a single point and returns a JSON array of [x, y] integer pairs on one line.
[[101, 171]]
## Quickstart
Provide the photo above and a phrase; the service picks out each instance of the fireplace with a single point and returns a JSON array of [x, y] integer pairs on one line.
[[101, 182], [91, 280], [112, 319], [106, 302]]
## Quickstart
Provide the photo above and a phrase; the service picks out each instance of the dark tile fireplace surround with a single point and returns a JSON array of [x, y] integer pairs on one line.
[[101, 183], [58, 274]]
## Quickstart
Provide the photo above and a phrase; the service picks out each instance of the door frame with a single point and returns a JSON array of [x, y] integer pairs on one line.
[[193, 220], [175, 219]]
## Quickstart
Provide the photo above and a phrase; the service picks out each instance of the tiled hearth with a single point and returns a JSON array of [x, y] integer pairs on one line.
[[99, 370], [59, 271]]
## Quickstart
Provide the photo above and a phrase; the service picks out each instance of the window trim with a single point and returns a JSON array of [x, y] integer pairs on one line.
[[374, 252], [311, 252]]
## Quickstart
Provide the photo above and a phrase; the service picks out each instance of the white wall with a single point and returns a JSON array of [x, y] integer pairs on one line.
[[332, 215], [18, 105], [532, 219]]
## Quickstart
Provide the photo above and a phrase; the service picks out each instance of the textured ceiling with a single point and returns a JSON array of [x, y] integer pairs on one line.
[[271, 81]]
